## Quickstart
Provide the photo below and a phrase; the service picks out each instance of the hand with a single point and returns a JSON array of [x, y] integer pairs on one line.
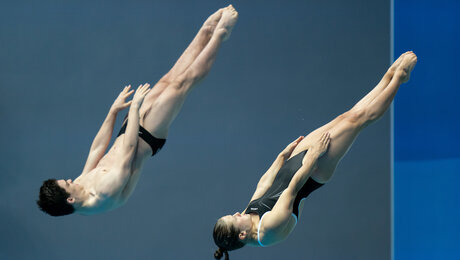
[[321, 146], [290, 148], [120, 103], [140, 94]]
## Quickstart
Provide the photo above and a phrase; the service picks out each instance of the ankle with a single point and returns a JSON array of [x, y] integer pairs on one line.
[[207, 30], [400, 73], [221, 33]]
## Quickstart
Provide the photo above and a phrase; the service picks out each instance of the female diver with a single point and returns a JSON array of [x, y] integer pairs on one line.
[[302, 167]]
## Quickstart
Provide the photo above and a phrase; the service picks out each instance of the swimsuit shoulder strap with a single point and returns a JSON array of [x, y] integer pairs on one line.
[[258, 229]]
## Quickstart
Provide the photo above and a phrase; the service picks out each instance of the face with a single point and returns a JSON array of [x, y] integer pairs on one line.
[[73, 189], [239, 221]]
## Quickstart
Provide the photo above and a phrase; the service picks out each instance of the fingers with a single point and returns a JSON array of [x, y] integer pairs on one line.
[[300, 138], [143, 89], [126, 92], [127, 104], [295, 143], [325, 139], [328, 140]]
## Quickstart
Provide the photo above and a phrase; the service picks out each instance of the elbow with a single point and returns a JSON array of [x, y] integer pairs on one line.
[[281, 157], [95, 149], [294, 185], [314, 167], [262, 185], [293, 190]]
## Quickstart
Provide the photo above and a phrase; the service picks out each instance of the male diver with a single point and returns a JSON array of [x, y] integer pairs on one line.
[[108, 179]]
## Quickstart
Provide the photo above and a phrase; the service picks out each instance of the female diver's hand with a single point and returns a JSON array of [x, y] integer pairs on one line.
[[140, 94], [320, 147], [286, 153], [120, 102]]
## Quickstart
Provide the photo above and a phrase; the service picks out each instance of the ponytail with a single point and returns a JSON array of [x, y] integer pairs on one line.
[[226, 238], [220, 252]]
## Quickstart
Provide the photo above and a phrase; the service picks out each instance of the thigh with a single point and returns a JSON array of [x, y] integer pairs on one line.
[[343, 130], [313, 137], [157, 116], [156, 90], [342, 137]]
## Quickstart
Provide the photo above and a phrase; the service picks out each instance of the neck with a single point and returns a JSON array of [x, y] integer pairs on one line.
[[85, 201], [252, 236]]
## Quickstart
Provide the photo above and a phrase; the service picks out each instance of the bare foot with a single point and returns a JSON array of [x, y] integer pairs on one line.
[[213, 20], [396, 63], [407, 65], [227, 22]]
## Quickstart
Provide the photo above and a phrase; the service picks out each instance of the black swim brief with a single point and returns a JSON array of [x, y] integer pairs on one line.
[[155, 143]]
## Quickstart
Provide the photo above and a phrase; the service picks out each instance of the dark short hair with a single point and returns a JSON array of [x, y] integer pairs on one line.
[[53, 199], [226, 238]]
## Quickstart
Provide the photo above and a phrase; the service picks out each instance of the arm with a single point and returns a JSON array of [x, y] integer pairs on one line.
[[277, 219], [309, 163], [267, 179], [102, 139], [130, 139]]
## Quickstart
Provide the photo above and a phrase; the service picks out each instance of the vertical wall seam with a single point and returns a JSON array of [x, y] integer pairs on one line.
[[392, 213]]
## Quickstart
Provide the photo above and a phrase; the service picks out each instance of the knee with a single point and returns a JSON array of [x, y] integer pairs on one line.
[[358, 116], [166, 79], [183, 81], [180, 81]]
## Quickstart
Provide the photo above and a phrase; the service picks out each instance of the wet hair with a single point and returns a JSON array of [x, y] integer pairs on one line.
[[53, 199], [226, 238], [220, 252]]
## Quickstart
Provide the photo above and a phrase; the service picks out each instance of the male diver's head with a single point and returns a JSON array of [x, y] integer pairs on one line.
[[59, 197], [231, 232]]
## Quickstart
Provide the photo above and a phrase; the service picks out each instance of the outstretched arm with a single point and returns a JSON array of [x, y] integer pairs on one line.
[[130, 139], [102, 139], [276, 220], [309, 164], [267, 179]]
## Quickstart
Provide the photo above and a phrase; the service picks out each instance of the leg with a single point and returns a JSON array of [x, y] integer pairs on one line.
[[345, 128], [158, 112], [381, 85], [196, 46], [188, 56]]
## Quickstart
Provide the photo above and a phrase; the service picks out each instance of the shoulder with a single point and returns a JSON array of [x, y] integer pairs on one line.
[[271, 231]]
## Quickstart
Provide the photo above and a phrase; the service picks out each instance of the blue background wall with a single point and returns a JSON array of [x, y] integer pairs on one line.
[[426, 132], [289, 67]]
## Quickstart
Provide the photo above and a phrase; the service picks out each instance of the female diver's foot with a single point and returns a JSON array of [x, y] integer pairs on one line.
[[396, 63], [227, 22], [406, 66]]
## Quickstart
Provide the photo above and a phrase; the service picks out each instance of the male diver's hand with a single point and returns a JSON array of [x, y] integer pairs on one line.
[[320, 147], [120, 103], [140, 94], [286, 153]]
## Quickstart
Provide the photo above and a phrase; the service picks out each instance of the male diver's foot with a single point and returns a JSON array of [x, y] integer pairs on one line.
[[212, 21], [227, 22], [406, 66]]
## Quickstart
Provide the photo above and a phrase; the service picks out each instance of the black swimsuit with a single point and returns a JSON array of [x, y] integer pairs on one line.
[[281, 182], [155, 143]]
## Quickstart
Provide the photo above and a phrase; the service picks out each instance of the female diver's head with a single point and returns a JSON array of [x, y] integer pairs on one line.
[[232, 232]]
